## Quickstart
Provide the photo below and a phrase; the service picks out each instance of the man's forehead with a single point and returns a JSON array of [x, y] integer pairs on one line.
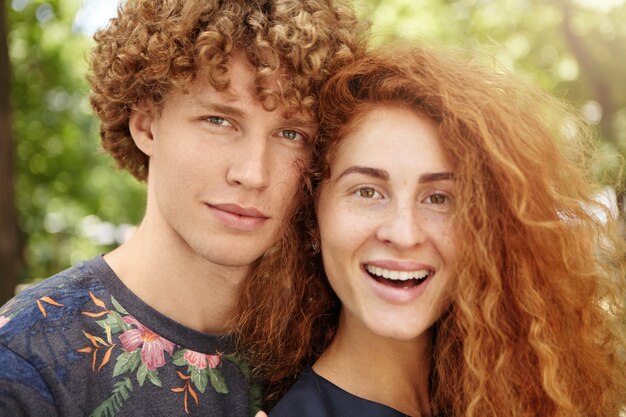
[[246, 88], [238, 98]]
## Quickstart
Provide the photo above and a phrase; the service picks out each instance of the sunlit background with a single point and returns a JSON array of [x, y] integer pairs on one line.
[[72, 203]]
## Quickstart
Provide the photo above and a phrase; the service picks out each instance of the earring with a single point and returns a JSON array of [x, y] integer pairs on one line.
[[315, 246]]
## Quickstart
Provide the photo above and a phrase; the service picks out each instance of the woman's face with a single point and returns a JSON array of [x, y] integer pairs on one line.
[[385, 219]]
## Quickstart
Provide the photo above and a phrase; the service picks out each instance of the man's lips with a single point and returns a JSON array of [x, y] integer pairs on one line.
[[235, 217], [240, 211]]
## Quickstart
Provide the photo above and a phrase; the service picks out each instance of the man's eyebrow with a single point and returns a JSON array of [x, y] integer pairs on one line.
[[222, 108], [303, 122], [370, 172], [235, 111], [435, 176]]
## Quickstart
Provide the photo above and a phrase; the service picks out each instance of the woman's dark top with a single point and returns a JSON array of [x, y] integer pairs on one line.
[[314, 396]]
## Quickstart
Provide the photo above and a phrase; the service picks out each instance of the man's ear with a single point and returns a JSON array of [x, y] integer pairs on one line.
[[140, 125]]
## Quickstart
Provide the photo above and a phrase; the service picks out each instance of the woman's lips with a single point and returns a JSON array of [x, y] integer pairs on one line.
[[398, 282]]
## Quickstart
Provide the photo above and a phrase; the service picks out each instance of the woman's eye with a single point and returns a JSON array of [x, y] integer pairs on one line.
[[220, 121], [367, 192], [292, 135], [438, 199]]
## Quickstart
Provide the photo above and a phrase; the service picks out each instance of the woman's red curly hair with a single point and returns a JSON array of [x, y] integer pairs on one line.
[[157, 45], [536, 325]]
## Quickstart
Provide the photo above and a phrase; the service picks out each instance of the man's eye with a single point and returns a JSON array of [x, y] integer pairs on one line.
[[367, 192], [291, 134], [216, 120]]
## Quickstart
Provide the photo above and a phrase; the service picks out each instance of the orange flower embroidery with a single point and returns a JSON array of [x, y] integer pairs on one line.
[[47, 300], [187, 389], [98, 344], [98, 302]]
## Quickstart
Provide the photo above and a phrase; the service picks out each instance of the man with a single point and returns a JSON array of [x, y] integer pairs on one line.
[[212, 103]]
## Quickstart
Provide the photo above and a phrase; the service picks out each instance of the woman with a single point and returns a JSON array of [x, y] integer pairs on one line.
[[460, 233]]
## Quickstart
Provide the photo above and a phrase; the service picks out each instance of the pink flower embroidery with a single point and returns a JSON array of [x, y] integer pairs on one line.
[[201, 360], [152, 345], [3, 320]]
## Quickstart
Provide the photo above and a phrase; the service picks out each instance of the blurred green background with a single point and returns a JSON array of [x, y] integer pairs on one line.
[[70, 202]]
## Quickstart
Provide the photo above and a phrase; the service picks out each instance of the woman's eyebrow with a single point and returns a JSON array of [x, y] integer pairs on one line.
[[370, 172], [383, 175], [435, 176]]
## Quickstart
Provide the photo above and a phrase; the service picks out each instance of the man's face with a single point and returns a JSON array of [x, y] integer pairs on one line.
[[223, 170]]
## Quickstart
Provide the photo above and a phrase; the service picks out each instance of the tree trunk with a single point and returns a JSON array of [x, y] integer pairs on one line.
[[9, 242], [591, 71]]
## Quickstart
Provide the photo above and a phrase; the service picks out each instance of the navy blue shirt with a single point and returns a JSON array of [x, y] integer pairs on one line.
[[314, 396], [81, 343]]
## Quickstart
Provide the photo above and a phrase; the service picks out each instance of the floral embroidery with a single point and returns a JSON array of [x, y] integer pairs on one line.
[[97, 346], [152, 345], [4, 320], [201, 369], [49, 301], [140, 354], [201, 360], [187, 389]]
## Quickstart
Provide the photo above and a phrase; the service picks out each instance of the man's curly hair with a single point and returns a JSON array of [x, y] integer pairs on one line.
[[154, 46]]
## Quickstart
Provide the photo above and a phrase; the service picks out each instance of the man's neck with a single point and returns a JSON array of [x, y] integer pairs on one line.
[[167, 275]]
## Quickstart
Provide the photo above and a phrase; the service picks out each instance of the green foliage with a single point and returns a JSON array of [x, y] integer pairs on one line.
[[112, 405], [69, 196], [576, 49]]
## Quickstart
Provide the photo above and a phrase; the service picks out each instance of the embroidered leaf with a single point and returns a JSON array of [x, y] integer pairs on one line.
[[128, 383], [115, 322], [49, 300], [92, 338], [106, 358], [43, 310], [255, 391], [186, 408], [118, 307], [181, 389], [217, 381], [243, 365], [178, 358], [112, 405], [117, 319], [103, 323], [153, 377], [96, 300], [100, 340], [200, 379], [193, 394], [84, 350], [107, 329], [135, 360], [122, 364], [255, 400], [141, 374], [183, 376], [93, 360], [95, 315]]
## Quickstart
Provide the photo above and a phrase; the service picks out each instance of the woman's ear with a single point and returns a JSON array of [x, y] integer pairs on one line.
[[140, 125]]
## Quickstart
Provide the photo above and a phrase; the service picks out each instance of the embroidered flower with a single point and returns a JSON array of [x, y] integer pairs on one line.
[[201, 360], [152, 345], [4, 320]]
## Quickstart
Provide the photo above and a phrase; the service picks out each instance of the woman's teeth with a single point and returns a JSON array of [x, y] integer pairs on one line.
[[419, 274]]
